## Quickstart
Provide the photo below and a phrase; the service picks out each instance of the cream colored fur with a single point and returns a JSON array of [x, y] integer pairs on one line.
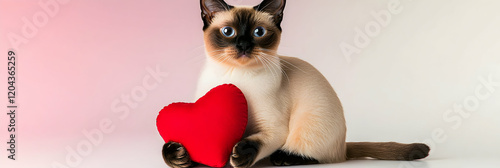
[[298, 112]]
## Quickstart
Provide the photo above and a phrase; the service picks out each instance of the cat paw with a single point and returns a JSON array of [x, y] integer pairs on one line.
[[176, 156], [281, 158], [244, 153]]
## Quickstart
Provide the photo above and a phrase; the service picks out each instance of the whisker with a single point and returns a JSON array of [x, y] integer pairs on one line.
[[265, 65], [265, 49], [222, 59], [197, 48], [197, 59], [201, 56], [282, 70], [273, 71], [259, 60], [225, 60], [285, 61], [277, 66]]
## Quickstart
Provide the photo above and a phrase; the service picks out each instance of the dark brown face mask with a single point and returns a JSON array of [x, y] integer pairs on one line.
[[237, 35]]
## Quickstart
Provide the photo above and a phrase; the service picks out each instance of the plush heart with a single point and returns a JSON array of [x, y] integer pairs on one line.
[[209, 128]]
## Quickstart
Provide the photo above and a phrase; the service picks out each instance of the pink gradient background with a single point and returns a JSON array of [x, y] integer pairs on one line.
[[93, 52]]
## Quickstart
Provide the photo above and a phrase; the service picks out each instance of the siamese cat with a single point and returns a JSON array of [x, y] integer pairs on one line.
[[295, 116]]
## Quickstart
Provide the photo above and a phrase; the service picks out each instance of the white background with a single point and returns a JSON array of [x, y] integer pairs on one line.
[[430, 57]]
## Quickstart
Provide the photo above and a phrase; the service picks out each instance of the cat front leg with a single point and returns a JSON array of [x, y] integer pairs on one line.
[[176, 156], [258, 146], [245, 152]]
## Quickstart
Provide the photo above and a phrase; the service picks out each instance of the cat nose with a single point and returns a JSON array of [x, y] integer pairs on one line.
[[244, 46]]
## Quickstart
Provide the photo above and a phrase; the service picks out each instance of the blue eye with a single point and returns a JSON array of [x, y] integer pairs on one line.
[[259, 32], [227, 31]]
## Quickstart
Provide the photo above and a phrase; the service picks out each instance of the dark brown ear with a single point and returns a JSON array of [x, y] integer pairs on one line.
[[273, 7], [209, 8]]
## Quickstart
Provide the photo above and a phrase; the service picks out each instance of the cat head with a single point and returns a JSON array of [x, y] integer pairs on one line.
[[242, 36]]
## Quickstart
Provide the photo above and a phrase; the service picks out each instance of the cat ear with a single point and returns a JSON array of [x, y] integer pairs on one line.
[[273, 7], [209, 8]]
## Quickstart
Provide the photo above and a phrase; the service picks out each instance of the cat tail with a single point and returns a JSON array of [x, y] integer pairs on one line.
[[387, 150]]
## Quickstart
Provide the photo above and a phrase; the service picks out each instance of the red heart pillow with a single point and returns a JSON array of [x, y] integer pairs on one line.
[[209, 128]]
